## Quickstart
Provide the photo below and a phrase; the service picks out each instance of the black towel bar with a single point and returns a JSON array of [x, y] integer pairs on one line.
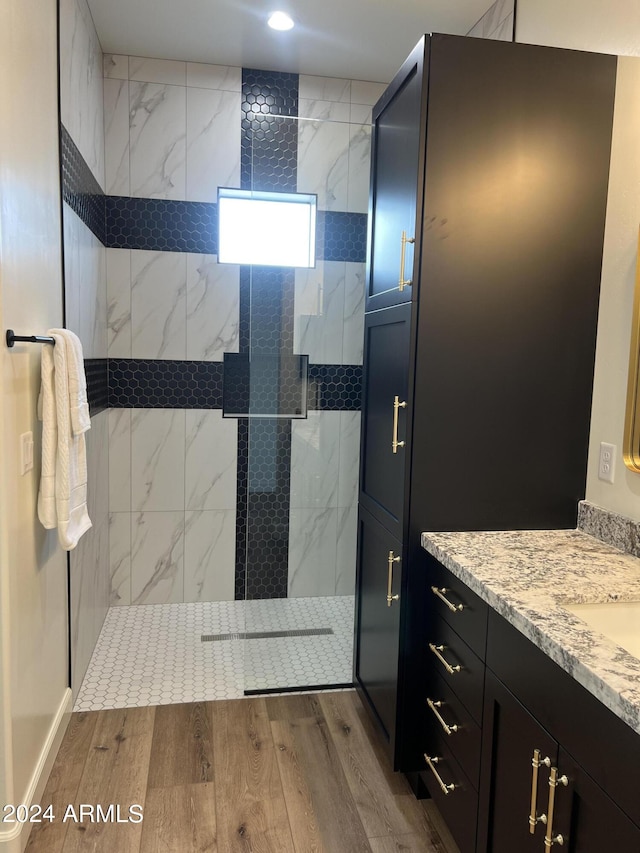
[[30, 339]]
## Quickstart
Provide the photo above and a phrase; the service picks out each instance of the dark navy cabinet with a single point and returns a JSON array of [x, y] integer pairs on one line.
[[490, 166]]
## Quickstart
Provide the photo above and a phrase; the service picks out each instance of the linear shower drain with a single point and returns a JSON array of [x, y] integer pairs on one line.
[[266, 635]]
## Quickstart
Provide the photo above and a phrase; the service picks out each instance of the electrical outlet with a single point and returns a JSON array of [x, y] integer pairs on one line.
[[26, 452], [607, 462]]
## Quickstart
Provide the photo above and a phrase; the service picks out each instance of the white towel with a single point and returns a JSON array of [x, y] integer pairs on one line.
[[62, 500]]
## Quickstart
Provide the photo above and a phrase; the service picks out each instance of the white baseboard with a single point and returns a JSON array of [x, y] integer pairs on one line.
[[19, 832]]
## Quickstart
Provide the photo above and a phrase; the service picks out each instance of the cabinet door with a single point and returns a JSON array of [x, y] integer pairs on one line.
[[394, 185], [586, 818], [510, 736], [378, 620], [386, 370]]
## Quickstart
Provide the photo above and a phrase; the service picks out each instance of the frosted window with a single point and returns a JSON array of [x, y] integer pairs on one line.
[[266, 229]]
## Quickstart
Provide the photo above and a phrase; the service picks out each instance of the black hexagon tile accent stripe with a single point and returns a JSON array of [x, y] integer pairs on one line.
[[80, 189], [160, 384], [242, 500], [335, 387], [268, 498], [341, 236], [162, 225], [96, 371], [269, 142]]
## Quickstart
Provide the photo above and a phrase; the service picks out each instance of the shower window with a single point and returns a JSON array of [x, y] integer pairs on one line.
[[266, 228]]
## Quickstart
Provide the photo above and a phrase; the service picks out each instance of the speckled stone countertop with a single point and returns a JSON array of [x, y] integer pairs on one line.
[[527, 575]]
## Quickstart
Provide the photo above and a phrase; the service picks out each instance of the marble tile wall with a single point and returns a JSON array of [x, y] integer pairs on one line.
[[324, 493], [173, 131], [81, 97], [497, 22], [172, 505]]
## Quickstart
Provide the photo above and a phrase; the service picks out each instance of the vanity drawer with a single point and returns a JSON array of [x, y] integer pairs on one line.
[[452, 599], [452, 793], [447, 655], [464, 738]]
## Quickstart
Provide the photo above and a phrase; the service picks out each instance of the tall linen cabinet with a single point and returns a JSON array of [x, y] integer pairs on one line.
[[488, 196]]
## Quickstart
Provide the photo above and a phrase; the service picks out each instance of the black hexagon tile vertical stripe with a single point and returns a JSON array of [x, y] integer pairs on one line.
[[80, 189]]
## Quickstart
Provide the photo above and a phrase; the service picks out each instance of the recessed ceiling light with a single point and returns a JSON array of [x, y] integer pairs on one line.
[[280, 21]]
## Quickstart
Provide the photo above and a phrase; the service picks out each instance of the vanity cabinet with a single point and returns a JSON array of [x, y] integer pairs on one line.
[[489, 771], [535, 793], [492, 159]]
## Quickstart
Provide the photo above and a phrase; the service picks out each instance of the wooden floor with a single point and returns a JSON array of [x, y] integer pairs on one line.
[[298, 774]]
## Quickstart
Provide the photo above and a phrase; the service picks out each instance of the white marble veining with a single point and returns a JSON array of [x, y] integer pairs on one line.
[[115, 66], [85, 285], [158, 304], [319, 312], [360, 114], [321, 110], [346, 547], [210, 555], [120, 558], [157, 140], [491, 22], [157, 459], [213, 142], [324, 88], [211, 460], [312, 552], [349, 458], [227, 78], [527, 575], [157, 557], [81, 83], [97, 446], [119, 303], [359, 168], [120, 460], [213, 308], [353, 326], [315, 460], [116, 137], [170, 71], [323, 157], [365, 92]]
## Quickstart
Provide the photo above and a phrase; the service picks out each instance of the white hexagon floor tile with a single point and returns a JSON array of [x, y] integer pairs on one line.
[[154, 654]]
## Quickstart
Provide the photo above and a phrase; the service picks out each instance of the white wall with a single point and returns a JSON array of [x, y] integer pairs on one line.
[[33, 590], [609, 26]]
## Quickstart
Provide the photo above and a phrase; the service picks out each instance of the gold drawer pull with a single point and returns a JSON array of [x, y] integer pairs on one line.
[[434, 707], [554, 781], [436, 650], [446, 789], [395, 444], [441, 593], [402, 282], [391, 598], [536, 763]]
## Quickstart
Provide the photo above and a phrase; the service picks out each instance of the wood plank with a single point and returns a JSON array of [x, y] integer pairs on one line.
[[397, 782], [321, 807], [437, 821], [403, 844], [181, 819], [182, 749], [372, 785], [115, 773], [63, 783], [250, 809], [294, 706]]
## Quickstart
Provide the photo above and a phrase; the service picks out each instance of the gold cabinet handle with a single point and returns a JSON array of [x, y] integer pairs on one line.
[[395, 444], [554, 781], [402, 282], [436, 650], [536, 763], [391, 598], [434, 707], [431, 762], [441, 593]]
